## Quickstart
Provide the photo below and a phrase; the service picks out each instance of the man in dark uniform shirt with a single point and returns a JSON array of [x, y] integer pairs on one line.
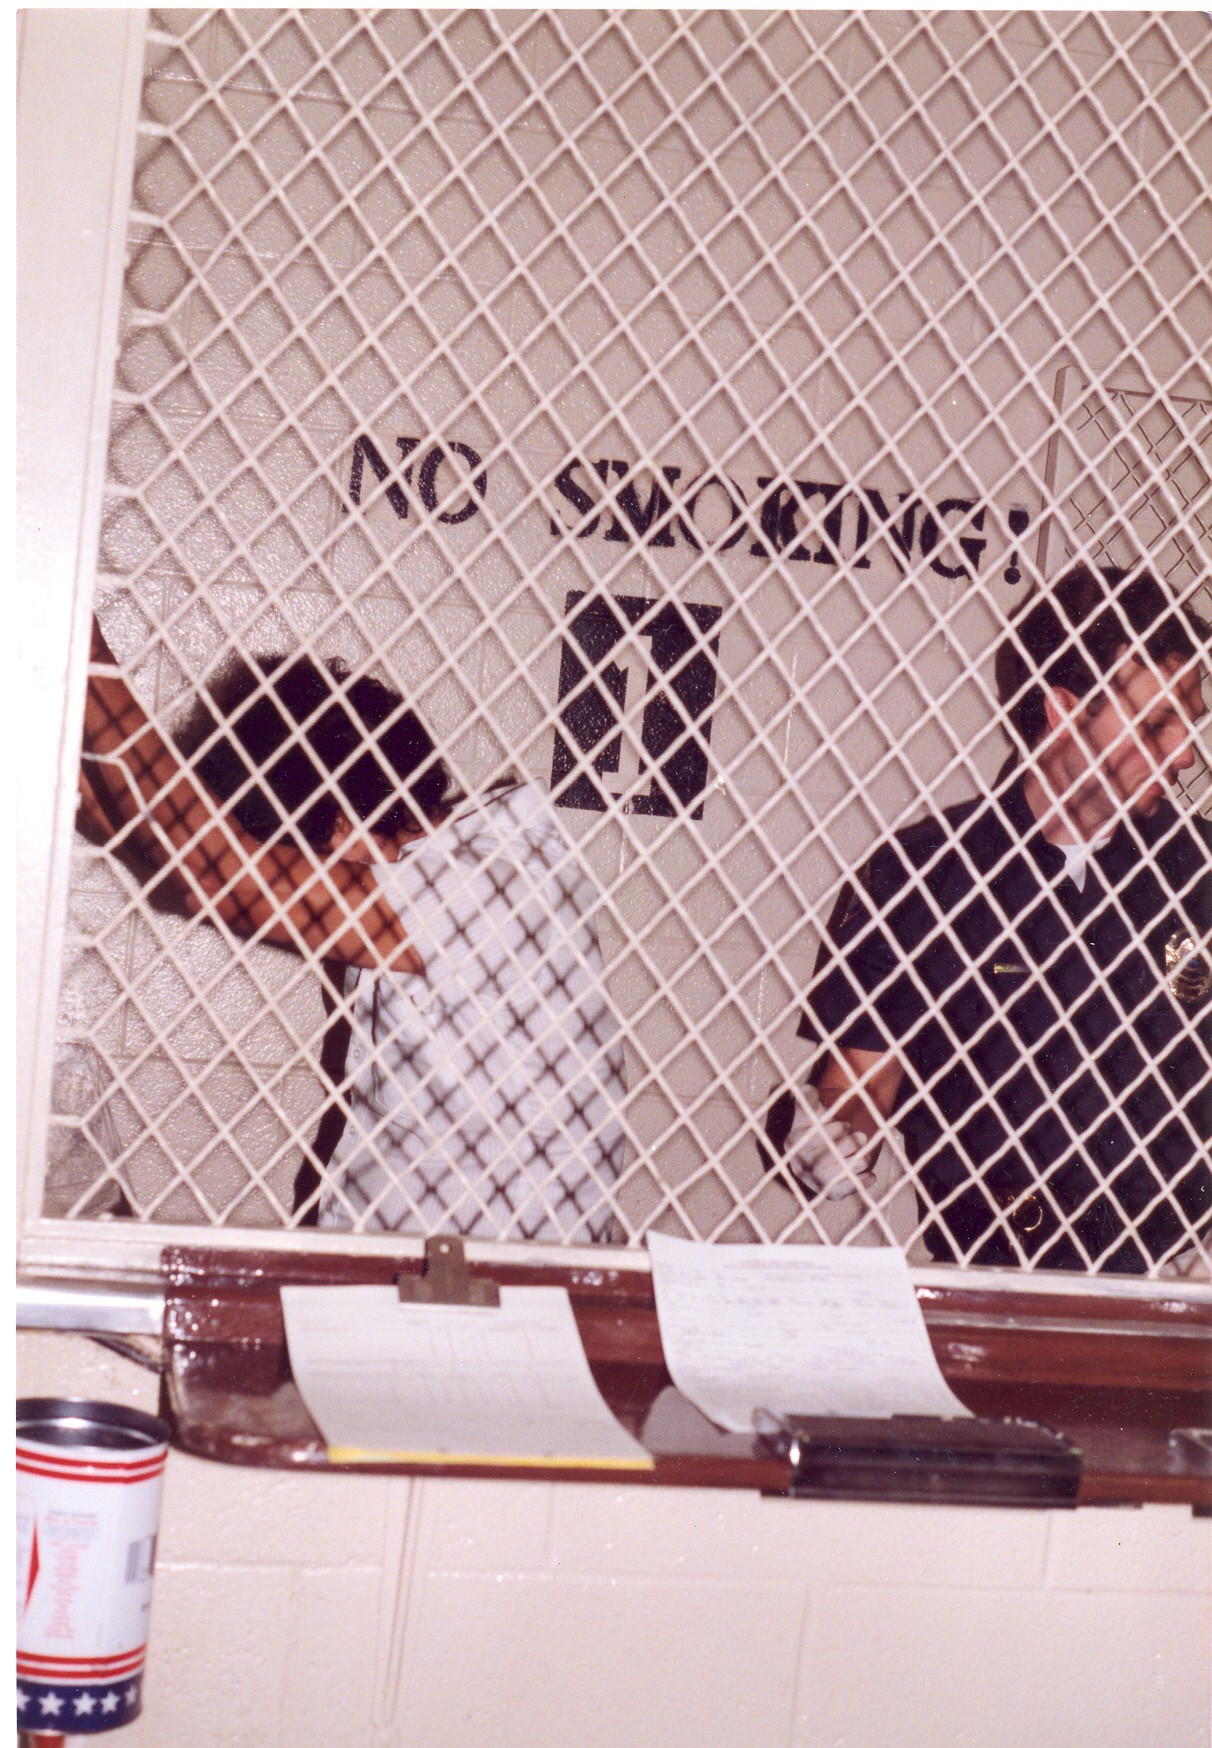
[[1021, 985]]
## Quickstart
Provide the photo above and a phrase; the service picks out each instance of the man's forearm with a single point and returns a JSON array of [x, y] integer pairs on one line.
[[860, 1088], [93, 818], [278, 894]]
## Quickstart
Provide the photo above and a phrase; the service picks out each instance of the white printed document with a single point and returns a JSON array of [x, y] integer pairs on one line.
[[794, 1329], [386, 1381]]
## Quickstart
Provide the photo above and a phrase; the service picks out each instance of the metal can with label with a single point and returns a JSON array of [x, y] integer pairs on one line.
[[88, 1507]]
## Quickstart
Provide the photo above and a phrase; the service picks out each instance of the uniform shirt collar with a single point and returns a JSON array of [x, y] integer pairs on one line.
[[1023, 824], [1114, 854]]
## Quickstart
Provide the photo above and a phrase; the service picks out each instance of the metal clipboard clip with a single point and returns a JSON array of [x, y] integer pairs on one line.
[[445, 1279]]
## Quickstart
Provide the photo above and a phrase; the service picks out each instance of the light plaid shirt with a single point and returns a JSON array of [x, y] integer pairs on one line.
[[484, 1094]]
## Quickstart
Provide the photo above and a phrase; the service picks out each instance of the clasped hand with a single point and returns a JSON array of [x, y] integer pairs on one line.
[[825, 1153]]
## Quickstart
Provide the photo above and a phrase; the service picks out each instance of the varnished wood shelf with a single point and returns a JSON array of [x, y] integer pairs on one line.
[[1116, 1376]]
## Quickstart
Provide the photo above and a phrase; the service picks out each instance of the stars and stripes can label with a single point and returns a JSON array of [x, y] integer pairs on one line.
[[88, 1509]]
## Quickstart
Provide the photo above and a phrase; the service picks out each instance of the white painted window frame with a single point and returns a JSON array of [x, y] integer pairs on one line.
[[79, 80], [78, 91]]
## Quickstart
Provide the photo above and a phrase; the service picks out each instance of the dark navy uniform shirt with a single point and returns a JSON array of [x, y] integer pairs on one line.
[[1057, 1041]]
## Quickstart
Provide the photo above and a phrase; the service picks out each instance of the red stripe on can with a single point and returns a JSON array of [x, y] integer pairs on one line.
[[97, 1658], [99, 1477], [148, 1465], [114, 1672], [74, 1465], [90, 1474], [49, 1667]]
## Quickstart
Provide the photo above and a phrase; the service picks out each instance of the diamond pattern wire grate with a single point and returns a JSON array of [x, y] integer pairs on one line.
[[672, 407]]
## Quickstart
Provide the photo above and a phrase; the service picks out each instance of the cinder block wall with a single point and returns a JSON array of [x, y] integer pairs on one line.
[[299, 1611]]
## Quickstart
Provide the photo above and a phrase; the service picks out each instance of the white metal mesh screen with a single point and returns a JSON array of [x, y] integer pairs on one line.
[[672, 406]]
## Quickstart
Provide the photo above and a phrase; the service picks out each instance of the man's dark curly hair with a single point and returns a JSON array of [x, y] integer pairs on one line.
[[357, 750], [1071, 635]]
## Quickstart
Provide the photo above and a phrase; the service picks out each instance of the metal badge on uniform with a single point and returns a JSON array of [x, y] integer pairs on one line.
[[1188, 973]]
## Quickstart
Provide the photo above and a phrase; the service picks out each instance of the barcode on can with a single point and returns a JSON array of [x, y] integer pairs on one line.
[[140, 1560]]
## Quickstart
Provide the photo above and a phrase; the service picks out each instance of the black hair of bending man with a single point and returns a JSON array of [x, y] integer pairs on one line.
[[359, 751], [358, 740]]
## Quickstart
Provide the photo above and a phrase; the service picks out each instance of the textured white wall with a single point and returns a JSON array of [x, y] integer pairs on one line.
[[331, 1612]]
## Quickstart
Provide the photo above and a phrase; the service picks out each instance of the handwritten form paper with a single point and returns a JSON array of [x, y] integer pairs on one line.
[[803, 1329], [444, 1383]]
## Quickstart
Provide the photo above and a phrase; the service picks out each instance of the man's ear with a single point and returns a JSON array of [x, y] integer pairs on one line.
[[1060, 707], [341, 829]]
